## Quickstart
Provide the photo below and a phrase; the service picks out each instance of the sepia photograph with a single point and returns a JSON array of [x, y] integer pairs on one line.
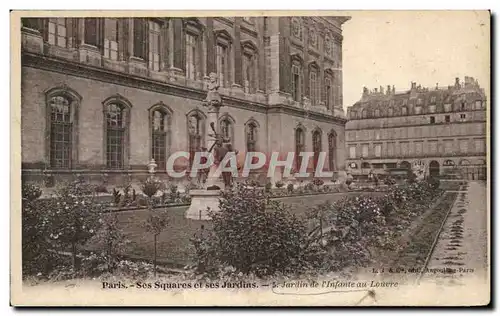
[[250, 158]]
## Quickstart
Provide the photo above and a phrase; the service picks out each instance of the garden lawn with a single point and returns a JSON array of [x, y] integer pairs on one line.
[[174, 245]]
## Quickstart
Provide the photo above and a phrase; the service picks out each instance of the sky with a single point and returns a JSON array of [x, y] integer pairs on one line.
[[383, 48]]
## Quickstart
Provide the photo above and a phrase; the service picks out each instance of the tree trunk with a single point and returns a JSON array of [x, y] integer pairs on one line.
[[154, 258]]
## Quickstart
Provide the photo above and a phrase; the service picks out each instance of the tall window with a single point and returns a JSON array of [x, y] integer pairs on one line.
[[390, 149], [57, 32], [390, 112], [154, 45], [251, 137], [364, 150], [140, 38], [159, 124], [91, 31], [352, 152], [332, 150], [433, 147], [464, 145], [378, 150], [404, 110], [226, 129], [313, 86], [115, 135], [300, 146], [296, 82], [195, 129], [110, 49], [248, 73], [328, 93], [363, 113], [191, 50], [222, 65], [60, 132], [316, 140]]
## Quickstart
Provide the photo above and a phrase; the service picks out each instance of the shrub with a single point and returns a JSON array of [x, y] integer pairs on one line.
[[150, 187], [318, 182], [31, 192], [309, 186], [64, 222], [290, 188], [117, 197], [268, 187], [279, 184], [253, 235]]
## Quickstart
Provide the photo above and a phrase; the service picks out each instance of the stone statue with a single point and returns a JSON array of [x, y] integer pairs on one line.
[[213, 97]]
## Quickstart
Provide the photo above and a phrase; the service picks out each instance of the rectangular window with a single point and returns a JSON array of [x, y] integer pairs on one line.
[[90, 35], [405, 148], [191, 51], [433, 147], [313, 88], [462, 117], [222, 65], [478, 105], [352, 152], [479, 145], [296, 83], [447, 118], [114, 151], [248, 70], [139, 38], [110, 49], [447, 107], [364, 151], [418, 148], [328, 93], [448, 146], [464, 145], [432, 120], [378, 150], [57, 32], [154, 46]]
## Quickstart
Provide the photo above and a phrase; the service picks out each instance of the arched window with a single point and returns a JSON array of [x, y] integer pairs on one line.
[[249, 67], [300, 146], [159, 117], [62, 127], [332, 151], [226, 127], [196, 134], [313, 85], [251, 136], [296, 79], [116, 113], [61, 130], [317, 146]]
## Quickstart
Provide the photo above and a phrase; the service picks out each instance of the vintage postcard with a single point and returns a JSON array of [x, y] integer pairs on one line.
[[309, 158]]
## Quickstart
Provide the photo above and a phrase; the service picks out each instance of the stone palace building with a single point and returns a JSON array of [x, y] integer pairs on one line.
[[101, 97], [442, 129]]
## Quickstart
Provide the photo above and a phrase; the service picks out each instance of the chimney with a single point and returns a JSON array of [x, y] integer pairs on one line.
[[375, 90], [388, 90], [457, 82], [393, 90], [437, 85], [381, 90], [413, 85]]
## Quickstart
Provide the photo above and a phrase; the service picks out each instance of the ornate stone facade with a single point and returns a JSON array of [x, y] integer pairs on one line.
[[135, 89], [442, 128]]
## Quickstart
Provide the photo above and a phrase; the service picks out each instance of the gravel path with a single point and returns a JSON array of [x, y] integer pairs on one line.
[[462, 249]]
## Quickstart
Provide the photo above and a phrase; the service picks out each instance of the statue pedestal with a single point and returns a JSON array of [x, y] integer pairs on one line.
[[200, 201]]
